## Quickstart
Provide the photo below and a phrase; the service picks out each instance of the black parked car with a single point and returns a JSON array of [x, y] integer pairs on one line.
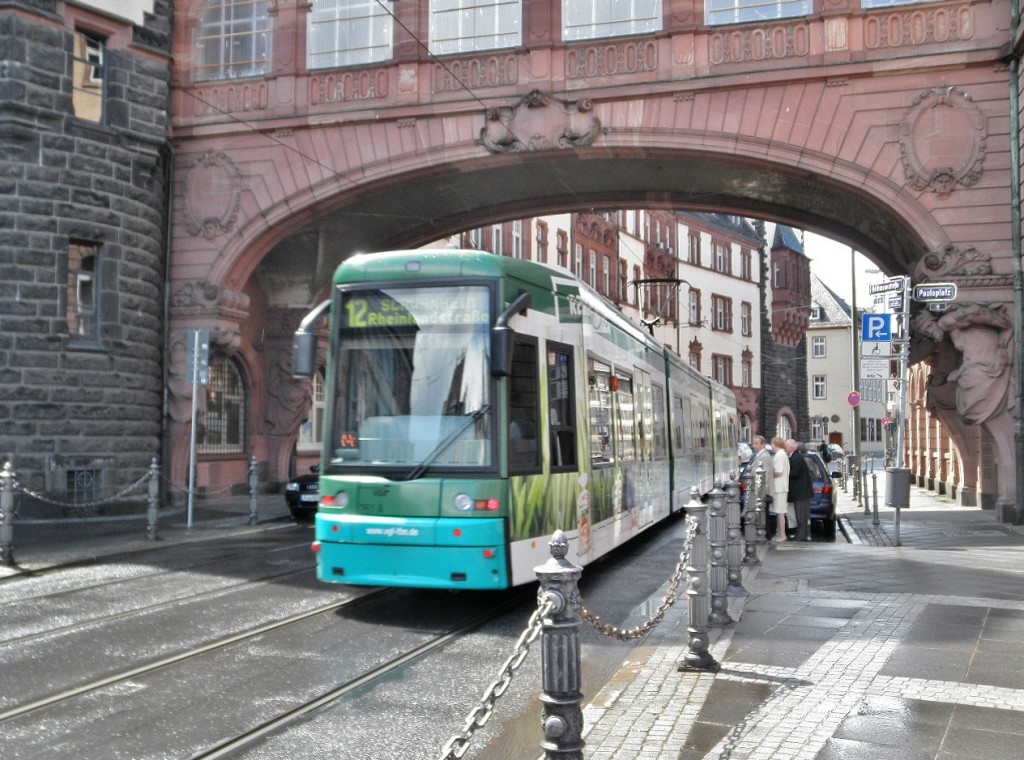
[[302, 494]]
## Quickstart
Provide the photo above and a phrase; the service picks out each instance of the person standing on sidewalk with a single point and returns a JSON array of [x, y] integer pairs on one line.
[[762, 458], [801, 490], [780, 487]]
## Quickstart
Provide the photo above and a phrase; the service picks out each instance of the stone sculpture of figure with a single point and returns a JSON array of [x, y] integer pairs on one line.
[[928, 344], [984, 337]]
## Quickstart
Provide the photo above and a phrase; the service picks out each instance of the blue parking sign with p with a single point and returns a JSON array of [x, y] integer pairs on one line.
[[876, 327]]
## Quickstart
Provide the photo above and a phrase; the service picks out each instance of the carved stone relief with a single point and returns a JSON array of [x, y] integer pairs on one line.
[[212, 191], [942, 141], [539, 122]]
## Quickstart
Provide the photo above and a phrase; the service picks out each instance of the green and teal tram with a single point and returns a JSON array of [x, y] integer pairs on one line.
[[476, 403]]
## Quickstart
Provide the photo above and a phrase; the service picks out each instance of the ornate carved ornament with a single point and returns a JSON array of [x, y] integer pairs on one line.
[[623, 57], [475, 73], [760, 43], [201, 298], [539, 122], [942, 141], [952, 261], [213, 188]]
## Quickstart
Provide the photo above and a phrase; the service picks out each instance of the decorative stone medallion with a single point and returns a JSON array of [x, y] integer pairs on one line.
[[539, 122], [942, 141], [212, 190]]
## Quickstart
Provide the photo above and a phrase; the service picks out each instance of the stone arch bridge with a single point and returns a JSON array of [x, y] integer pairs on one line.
[[887, 129]]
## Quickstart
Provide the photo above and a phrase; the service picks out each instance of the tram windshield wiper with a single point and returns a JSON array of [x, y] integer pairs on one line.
[[447, 441]]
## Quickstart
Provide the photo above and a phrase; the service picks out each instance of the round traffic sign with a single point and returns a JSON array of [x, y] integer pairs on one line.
[[853, 399]]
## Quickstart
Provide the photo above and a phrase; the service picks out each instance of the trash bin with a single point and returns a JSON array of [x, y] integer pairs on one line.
[[897, 487]]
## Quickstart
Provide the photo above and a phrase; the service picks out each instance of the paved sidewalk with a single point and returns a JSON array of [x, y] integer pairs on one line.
[[862, 650], [43, 538]]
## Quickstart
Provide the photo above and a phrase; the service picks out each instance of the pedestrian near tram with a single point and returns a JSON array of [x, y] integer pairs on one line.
[[780, 487], [801, 490]]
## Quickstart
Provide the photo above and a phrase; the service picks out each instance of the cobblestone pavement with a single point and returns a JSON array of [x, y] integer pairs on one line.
[[844, 651]]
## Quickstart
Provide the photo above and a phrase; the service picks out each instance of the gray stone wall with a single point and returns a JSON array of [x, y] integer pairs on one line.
[[81, 414]]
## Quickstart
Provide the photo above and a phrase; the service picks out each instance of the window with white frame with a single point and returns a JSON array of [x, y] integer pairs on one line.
[[348, 33], [466, 26], [745, 11], [746, 319], [579, 261], [746, 268], [722, 258], [476, 238], [721, 310], [818, 347], [517, 239], [721, 369], [747, 369], [82, 309], [819, 386], [592, 266], [606, 275], [890, 3], [87, 70], [592, 19], [694, 307], [815, 313], [496, 240], [694, 257], [233, 39], [311, 432]]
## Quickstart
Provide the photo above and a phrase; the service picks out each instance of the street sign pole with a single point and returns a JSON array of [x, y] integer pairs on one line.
[[904, 372], [192, 443]]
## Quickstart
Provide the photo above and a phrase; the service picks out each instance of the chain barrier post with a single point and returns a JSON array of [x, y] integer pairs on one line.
[[253, 487], [874, 499], [734, 551], [154, 498], [863, 477], [718, 542], [750, 519], [697, 656], [561, 667], [759, 507], [7, 516]]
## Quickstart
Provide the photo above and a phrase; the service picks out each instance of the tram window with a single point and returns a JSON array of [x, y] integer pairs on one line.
[[523, 408], [600, 401], [625, 418], [561, 408], [659, 424]]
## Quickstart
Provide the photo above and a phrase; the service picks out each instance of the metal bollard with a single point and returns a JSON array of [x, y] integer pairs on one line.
[[697, 656], [864, 488], [874, 498], [7, 516], [253, 487], [154, 498], [762, 517], [718, 544], [561, 666], [734, 546], [749, 521]]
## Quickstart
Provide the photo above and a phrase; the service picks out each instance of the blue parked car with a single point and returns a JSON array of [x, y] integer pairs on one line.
[[823, 503]]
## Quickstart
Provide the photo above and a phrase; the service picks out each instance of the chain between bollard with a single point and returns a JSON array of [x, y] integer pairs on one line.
[[458, 744], [81, 504], [669, 599]]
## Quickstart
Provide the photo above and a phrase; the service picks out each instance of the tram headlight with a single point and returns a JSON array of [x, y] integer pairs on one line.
[[462, 502]]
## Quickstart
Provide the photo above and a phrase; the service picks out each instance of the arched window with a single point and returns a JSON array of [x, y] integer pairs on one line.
[[223, 429]]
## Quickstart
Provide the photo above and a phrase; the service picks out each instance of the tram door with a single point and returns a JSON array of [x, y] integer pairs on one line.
[[644, 485]]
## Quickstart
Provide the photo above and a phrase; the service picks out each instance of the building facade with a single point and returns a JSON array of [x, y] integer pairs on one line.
[[84, 166]]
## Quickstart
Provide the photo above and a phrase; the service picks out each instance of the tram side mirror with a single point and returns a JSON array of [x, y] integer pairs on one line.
[[304, 354], [501, 350], [503, 336], [304, 347]]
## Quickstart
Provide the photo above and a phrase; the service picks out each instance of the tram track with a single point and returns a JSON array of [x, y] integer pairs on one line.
[[128, 614], [227, 747], [179, 657]]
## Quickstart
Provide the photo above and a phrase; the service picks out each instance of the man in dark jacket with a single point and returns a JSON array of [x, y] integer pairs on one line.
[[801, 489]]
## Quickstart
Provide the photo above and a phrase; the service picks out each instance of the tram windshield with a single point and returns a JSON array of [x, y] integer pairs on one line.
[[412, 381]]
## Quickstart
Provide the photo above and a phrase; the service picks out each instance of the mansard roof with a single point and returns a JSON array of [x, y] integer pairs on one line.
[[835, 312]]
